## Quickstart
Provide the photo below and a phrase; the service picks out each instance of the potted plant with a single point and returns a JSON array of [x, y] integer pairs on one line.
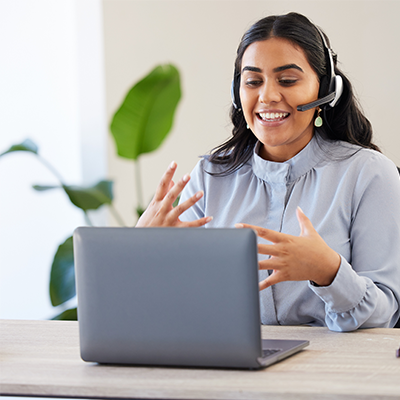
[[139, 126]]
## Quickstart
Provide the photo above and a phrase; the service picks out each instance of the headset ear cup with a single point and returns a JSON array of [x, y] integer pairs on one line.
[[338, 90], [233, 97], [235, 93], [323, 87]]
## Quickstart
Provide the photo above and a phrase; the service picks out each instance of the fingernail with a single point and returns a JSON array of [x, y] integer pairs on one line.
[[185, 178], [172, 165], [208, 219], [200, 194], [298, 207], [239, 225]]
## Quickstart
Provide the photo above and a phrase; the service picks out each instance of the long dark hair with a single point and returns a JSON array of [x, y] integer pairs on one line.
[[345, 121]]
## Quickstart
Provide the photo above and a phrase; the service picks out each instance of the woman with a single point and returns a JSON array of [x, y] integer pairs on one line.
[[306, 176]]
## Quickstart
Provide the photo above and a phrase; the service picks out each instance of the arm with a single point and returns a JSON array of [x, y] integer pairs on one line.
[[366, 290], [363, 291]]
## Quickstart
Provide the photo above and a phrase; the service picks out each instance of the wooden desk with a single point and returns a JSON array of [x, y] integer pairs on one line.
[[41, 358]]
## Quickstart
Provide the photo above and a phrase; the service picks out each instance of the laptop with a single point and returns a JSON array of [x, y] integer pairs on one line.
[[172, 297]]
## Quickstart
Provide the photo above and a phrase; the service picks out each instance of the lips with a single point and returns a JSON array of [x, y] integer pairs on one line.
[[272, 116]]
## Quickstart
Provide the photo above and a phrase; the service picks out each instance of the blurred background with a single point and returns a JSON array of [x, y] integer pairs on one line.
[[66, 66]]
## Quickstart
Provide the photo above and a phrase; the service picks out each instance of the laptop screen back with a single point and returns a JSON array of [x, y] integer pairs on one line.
[[168, 296]]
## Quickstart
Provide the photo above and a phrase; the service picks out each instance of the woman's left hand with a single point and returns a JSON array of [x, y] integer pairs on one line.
[[297, 258]]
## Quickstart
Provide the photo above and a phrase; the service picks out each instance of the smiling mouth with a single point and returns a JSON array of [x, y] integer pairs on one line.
[[272, 117]]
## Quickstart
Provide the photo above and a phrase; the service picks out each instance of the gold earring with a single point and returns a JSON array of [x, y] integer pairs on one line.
[[318, 121]]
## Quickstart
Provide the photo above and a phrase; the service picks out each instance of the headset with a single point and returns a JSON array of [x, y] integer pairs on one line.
[[332, 83]]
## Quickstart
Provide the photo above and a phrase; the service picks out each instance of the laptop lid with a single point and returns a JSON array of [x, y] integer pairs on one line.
[[168, 296]]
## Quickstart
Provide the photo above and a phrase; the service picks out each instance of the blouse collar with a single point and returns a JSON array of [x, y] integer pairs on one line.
[[290, 170]]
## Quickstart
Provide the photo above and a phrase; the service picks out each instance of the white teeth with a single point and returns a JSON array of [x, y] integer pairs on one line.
[[273, 116]]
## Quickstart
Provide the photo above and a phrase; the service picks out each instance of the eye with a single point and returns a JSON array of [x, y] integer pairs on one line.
[[253, 82], [287, 82]]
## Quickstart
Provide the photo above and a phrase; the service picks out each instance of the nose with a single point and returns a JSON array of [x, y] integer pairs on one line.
[[270, 92]]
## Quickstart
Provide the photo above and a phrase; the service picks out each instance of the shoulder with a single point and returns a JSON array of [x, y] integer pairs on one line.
[[374, 164], [358, 160], [371, 175]]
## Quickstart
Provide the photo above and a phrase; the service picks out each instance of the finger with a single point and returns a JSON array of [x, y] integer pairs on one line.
[[271, 280], [273, 263], [264, 233], [174, 192], [165, 184], [266, 283], [197, 223], [181, 208], [269, 249], [306, 227]]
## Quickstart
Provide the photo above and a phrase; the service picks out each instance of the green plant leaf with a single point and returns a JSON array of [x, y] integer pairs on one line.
[[26, 145], [85, 197], [146, 115], [140, 211], [62, 275], [41, 188], [176, 202], [67, 315], [92, 197]]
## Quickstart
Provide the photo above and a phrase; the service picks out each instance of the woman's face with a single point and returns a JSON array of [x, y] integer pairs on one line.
[[276, 78]]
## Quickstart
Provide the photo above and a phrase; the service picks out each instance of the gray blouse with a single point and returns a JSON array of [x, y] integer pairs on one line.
[[352, 197]]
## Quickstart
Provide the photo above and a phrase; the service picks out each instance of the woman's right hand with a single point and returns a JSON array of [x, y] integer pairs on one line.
[[161, 212]]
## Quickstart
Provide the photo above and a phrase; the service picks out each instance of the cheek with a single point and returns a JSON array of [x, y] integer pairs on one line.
[[304, 97], [243, 97], [248, 102], [305, 118]]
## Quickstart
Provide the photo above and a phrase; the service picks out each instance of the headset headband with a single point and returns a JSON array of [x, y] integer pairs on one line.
[[335, 88]]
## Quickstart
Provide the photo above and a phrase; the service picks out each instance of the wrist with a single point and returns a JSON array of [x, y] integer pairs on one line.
[[328, 272]]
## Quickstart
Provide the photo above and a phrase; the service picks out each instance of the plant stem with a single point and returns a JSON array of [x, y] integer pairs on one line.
[[51, 168], [89, 222], [114, 212], [139, 192], [116, 215]]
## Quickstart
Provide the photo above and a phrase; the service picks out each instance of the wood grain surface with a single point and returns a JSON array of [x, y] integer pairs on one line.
[[41, 358]]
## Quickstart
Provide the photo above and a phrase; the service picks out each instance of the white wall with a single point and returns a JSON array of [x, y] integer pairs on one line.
[[201, 38], [52, 91]]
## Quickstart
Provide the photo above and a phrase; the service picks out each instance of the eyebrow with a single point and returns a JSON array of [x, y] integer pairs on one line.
[[287, 66], [277, 69], [252, 69]]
